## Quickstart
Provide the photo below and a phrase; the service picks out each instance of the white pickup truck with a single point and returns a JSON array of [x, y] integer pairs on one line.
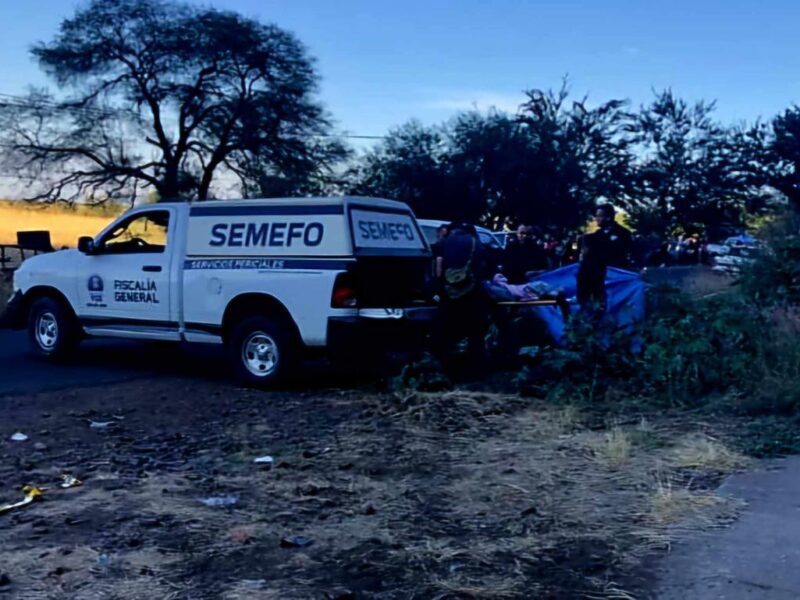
[[268, 278]]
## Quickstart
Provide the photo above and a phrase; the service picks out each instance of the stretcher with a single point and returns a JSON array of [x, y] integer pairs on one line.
[[560, 302]]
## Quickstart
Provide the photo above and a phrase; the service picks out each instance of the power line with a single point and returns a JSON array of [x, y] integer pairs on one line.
[[28, 102]]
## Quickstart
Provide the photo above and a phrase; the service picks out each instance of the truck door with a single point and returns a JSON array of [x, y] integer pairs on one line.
[[125, 279], [393, 259]]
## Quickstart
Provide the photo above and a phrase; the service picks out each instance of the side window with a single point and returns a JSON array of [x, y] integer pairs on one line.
[[429, 233], [141, 234]]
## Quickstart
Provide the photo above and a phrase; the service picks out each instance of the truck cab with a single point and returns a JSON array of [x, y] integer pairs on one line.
[[270, 279]]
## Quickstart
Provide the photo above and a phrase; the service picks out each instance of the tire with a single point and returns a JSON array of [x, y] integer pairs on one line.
[[263, 351], [52, 329]]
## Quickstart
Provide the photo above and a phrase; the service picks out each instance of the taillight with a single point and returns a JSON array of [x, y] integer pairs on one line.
[[344, 292]]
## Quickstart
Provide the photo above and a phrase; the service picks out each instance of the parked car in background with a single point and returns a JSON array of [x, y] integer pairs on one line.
[[737, 252], [487, 238], [493, 246]]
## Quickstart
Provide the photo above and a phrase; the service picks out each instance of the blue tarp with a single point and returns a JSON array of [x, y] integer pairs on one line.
[[625, 292]]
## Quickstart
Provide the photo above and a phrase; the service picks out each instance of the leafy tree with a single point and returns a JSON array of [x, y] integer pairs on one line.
[[408, 165], [784, 155], [484, 157], [547, 165], [693, 173], [578, 156], [167, 95], [671, 165]]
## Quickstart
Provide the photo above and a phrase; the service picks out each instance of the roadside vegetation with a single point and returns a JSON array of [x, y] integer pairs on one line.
[[66, 223], [731, 353]]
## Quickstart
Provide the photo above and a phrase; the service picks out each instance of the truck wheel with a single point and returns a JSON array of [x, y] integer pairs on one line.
[[262, 350], [52, 329]]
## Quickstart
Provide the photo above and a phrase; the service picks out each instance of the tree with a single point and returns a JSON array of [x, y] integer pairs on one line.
[[693, 173], [408, 165], [166, 95], [547, 165], [784, 155], [578, 156]]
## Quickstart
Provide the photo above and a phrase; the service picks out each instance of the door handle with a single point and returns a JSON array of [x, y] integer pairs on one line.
[[152, 268]]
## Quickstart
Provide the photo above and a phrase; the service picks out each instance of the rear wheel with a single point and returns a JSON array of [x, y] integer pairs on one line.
[[263, 350], [52, 329]]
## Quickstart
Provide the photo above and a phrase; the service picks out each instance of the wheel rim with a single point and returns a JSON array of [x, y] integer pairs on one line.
[[260, 354], [47, 330]]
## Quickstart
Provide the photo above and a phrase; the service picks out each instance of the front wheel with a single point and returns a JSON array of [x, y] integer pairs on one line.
[[52, 329], [262, 350]]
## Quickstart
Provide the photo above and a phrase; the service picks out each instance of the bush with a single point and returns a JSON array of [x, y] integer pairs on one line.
[[579, 372], [774, 278], [424, 375], [727, 354], [736, 353], [695, 349]]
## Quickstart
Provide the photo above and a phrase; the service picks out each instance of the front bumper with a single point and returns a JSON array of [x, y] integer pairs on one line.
[[13, 317], [380, 330]]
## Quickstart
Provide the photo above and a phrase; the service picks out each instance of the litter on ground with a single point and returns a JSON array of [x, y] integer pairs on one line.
[[31, 493]]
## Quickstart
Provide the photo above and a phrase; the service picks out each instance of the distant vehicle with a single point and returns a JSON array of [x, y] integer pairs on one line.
[[486, 237], [270, 279], [737, 258], [718, 249], [735, 253]]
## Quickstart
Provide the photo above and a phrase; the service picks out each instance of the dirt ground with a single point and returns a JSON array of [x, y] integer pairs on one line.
[[461, 494]]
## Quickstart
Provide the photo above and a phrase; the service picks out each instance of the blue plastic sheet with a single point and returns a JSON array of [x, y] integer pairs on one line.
[[625, 293]]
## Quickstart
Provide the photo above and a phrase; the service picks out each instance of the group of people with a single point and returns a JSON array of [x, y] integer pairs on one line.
[[539, 251], [462, 264]]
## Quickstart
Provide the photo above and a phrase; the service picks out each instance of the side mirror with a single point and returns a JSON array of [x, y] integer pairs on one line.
[[86, 244]]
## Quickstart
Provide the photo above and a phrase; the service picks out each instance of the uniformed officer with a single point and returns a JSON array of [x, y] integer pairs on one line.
[[609, 246]]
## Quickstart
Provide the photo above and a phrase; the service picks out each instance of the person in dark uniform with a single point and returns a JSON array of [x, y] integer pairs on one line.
[[464, 307], [609, 246], [523, 255], [436, 249]]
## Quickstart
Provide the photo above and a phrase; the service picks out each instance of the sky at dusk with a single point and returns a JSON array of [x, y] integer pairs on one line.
[[383, 63]]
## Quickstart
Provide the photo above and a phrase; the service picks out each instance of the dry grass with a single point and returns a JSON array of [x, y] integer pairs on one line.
[[671, 504], [461, 495], [497, 590], [615, 448], [65, 224], [695, 281], [542, 464], [700, 451]]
